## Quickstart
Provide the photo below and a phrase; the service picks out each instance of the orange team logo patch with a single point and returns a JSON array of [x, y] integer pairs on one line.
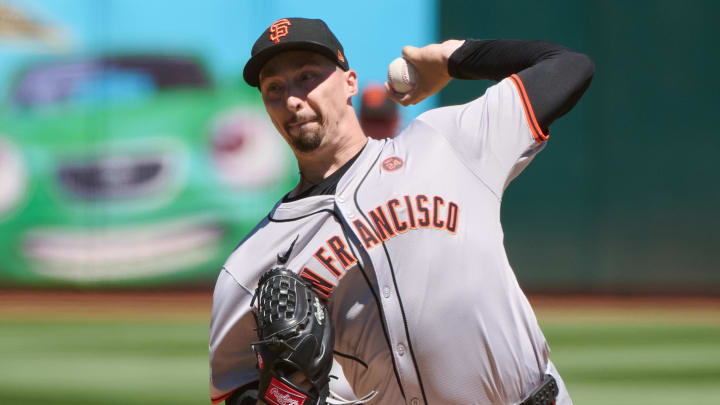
[[341, 58], [279, 29], [392, 163]]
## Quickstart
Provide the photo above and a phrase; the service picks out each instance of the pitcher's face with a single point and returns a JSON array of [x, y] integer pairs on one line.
[[306, 96]]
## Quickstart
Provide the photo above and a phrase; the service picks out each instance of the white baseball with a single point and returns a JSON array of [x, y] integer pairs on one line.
[[402, 75]]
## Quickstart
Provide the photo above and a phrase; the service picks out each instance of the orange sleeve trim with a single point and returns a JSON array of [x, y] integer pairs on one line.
[[220, 398], [537, 132]]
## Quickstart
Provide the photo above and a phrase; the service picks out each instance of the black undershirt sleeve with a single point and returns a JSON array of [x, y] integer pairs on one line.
[[554, 77]]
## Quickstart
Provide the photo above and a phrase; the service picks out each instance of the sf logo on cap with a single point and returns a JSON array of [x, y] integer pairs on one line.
[[279, 29]]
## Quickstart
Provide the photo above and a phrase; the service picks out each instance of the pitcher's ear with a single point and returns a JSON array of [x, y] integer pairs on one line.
[[352, 82]]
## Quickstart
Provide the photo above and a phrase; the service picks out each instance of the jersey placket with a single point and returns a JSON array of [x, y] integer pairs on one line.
[[390, 302]]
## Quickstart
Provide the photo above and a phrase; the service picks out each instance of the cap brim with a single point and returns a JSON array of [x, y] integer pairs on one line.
[[251, 73]]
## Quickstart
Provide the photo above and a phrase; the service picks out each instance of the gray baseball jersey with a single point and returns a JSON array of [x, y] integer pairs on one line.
[[409, 253]]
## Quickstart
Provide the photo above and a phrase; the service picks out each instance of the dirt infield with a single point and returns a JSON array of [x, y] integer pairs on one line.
[[192, 304], [627, 309]]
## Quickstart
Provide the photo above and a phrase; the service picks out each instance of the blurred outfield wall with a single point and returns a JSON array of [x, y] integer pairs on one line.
[[625, 197]]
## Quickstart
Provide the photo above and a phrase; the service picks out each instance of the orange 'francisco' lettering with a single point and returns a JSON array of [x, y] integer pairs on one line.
[[319, 284], [338, 247]]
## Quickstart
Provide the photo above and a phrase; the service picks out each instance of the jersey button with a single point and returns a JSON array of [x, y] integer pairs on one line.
[[386, 292], [401, 350], [415, 401]]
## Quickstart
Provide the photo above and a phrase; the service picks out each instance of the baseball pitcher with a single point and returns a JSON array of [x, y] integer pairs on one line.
[[382, 278]]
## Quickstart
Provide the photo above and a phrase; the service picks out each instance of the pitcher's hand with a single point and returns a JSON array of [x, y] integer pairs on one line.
[[431, 66]]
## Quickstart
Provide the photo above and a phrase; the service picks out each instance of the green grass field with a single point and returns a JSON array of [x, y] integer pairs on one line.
[[624, 363], [606, 356]]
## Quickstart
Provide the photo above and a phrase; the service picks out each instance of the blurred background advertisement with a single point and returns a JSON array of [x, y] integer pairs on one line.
[[131, 151]]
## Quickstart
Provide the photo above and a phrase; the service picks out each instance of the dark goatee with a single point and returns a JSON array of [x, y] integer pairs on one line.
[[308, 143]]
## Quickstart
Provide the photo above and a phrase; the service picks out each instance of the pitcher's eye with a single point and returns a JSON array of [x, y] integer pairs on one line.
[[304, 76], [273, 88]]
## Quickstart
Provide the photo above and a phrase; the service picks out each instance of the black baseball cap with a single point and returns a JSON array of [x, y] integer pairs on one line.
[[289, 34]]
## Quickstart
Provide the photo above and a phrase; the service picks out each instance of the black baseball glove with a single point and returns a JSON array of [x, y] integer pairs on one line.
[[295, 340]]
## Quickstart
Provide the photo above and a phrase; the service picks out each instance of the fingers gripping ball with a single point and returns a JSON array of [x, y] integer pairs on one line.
[[295, 340], [402, 76]]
